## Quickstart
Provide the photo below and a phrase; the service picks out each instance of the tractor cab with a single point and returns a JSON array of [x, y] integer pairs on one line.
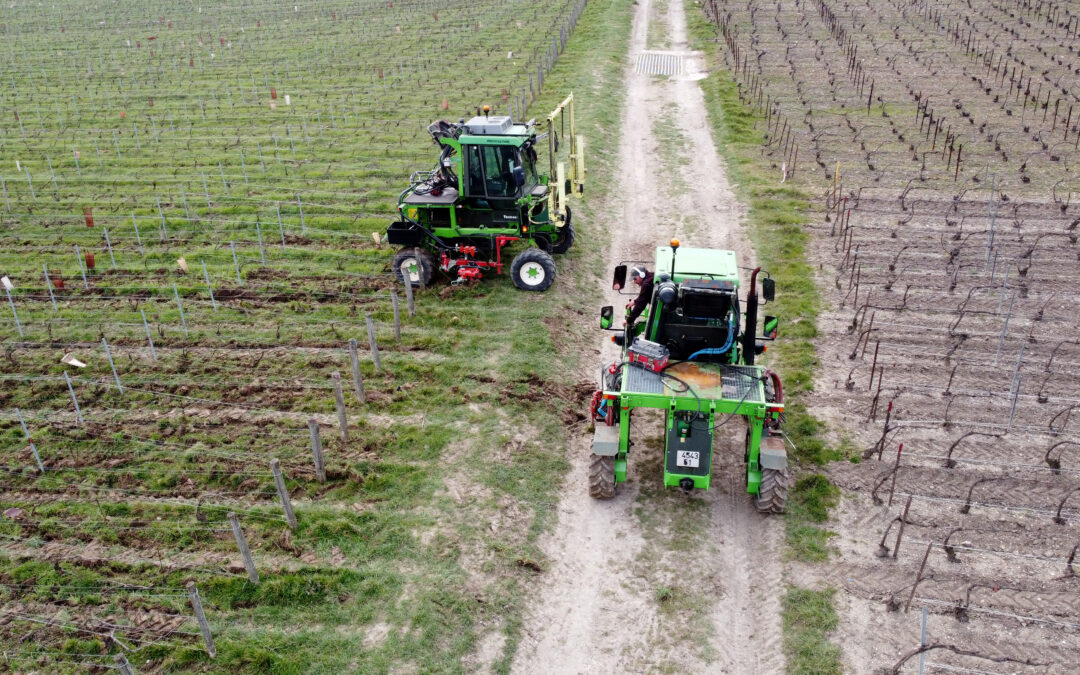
[[499, 159]]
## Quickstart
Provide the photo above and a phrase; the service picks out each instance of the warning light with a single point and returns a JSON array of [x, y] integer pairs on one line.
[[674, 243]]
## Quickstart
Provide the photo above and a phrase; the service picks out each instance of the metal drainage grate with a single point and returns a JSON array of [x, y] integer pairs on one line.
[[741, 381], [654, 63], [643, 381]]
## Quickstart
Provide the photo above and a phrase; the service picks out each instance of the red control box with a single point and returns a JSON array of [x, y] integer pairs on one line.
[[650, 355]]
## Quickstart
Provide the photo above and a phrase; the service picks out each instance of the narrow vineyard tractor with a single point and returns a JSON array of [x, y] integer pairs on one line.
[[692, 355], [485, 194]]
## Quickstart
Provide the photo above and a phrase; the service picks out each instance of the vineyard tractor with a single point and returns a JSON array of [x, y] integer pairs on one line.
[[485, 194], [689, 357]]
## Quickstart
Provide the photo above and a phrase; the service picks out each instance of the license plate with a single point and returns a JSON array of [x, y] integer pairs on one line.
[[688, 459]]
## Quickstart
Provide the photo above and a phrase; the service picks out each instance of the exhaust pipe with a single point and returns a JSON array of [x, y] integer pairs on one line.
[[749, 338]]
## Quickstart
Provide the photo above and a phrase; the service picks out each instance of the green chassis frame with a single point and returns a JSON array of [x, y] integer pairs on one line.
[[753, 408]]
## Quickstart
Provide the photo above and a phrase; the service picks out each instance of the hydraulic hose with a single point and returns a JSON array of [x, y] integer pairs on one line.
[[717, 350]]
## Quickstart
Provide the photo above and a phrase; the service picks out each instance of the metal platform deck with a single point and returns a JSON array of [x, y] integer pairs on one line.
[[707, 380]]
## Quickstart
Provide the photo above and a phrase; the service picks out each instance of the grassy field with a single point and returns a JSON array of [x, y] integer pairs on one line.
[[424, 531]]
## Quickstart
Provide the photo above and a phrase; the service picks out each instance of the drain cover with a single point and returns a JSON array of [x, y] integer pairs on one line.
[[659, 63]]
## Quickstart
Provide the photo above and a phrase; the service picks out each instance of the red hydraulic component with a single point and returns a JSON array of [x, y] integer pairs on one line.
[[776, 406], [594, 406], [471, 268]]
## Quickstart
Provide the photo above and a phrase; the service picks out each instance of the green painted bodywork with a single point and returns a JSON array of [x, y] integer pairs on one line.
[[706, 394], [517, 140], [713, 404], [465, 217], [703, 264]]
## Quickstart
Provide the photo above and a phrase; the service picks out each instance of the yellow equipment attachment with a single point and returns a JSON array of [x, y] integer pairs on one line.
[[569, 177]]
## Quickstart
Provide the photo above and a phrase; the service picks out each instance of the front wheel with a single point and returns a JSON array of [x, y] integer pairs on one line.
[[772, 493], [417, 270], [533, 270], [601, 477]]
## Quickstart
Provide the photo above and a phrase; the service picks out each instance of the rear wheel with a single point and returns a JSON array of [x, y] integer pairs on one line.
[[601, 477], [533, 270], [772, 493], [418, 271]]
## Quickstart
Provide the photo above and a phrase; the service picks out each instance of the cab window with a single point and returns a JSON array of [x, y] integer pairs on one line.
[[476, 171], [499, 161]]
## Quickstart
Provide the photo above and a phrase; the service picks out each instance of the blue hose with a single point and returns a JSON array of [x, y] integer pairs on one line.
[[717, 350]]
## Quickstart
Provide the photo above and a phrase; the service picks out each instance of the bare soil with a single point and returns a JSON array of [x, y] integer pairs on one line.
[[950, 321], [653, 578]]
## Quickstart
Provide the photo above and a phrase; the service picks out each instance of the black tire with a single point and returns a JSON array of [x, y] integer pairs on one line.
[[406, 259], [543, 242], [772, 493], [601, 477], [564, 237], [533, 270]]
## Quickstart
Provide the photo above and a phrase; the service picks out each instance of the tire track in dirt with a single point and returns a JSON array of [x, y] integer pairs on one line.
[[603, 608]]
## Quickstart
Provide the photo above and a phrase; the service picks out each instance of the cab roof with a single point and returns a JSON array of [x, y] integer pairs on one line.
[[494, 130], [698, 264]]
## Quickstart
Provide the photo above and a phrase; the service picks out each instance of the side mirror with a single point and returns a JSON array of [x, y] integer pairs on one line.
[[769, 327], [519, 176], [607, 314], [619, 281], [768, 289]]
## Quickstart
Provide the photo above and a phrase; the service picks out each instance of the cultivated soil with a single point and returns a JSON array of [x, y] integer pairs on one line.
[[950, 315], [655, 578]]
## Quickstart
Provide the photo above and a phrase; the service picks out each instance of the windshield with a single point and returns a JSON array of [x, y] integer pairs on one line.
[[499, 162], [491, 171]]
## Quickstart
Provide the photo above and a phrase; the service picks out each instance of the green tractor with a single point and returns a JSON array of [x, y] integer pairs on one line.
[[484, 195], [692, 357]]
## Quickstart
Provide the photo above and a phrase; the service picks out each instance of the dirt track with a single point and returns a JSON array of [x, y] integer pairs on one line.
[[650, 577]]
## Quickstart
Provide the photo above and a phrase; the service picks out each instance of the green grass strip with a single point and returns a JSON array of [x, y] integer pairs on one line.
[[808, 617]]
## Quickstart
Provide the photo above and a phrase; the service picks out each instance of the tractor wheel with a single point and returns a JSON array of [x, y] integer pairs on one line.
[[564, 237], [602, 477], [405, 265], [533, 270], [772, 494]]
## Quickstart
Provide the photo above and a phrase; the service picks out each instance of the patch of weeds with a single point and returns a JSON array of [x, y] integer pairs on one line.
[[664, 595], [808, 617], [302, 588], [809, 502]]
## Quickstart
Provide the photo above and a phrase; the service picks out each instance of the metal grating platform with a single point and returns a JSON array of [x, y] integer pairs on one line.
[[736, 382], [739, 381], [643, 381], [656, 63]]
